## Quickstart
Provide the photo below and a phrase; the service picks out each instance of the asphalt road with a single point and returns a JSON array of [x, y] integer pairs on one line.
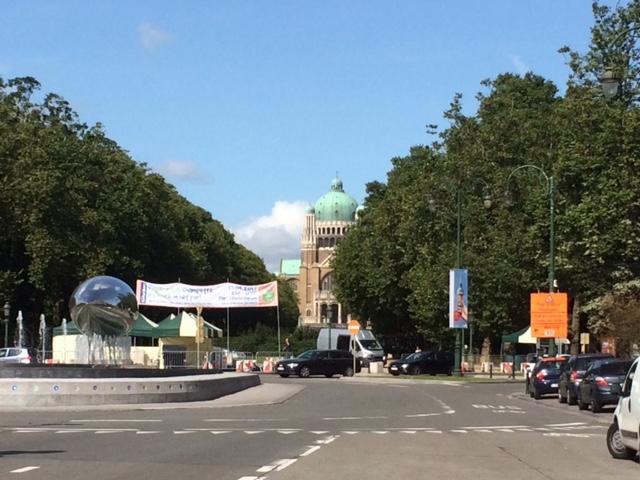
[[328, 428]]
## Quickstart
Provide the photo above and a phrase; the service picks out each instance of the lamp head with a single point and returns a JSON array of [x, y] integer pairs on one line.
[[610, 82], [6, 311]]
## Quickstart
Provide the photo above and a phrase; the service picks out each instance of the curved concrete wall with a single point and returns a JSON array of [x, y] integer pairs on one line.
[[39, 392]]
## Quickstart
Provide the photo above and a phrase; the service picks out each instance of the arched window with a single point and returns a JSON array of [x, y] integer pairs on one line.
[[327, 282], [332, 242]]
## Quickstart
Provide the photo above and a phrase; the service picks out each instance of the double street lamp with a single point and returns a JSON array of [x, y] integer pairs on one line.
[[486, 201], [550, 184]]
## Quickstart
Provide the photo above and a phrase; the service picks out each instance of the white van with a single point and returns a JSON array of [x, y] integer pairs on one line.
[[623, 437], [367, 348]]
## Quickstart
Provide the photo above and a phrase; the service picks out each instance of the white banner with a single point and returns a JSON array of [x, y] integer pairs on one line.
[[222, 295]]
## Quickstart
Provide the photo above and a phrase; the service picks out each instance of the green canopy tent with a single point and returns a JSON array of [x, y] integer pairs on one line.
[[183, 325], [142, 327], [515, 336]]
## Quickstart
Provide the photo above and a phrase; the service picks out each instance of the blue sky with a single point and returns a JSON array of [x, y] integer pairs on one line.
[[250, 107]]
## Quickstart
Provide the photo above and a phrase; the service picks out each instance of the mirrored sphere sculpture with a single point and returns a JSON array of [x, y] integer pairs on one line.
[[105, 306]]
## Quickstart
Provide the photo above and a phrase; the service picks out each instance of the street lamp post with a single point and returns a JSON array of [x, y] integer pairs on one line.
[[486, 197], [550, 182], [7, 311]]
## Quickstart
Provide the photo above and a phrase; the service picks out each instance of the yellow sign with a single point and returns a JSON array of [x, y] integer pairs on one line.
[[549, 315]]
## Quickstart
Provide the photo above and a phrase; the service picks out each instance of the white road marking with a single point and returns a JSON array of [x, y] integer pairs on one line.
[[542, 429], [24, 469], [564, 424], [253, 432], [315, 448], [505, 430], [459, 431], [484, 431], [285, 463], [146, 432], [110, 420], [408, 431], [103, 432], [266, 469], [573, 435], [183, 432], [253, 477], [350, 432], [449, 412], [423, 415], [353, 418], [524, 430], [380, 432], [497, 426], [243, 419], [433, 431], [319, 432], [327, 440], [287, 432], [220, 432], [70, 431]]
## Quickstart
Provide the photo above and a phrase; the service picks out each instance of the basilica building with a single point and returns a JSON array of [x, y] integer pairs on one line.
[[325, 226]]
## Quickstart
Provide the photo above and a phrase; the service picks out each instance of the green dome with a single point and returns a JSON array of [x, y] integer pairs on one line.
[[336, 205]]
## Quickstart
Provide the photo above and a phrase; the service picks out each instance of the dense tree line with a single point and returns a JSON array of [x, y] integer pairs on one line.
[[74, 204], [393, 267]]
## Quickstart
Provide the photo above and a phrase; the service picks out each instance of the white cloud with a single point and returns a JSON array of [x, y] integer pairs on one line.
[[152, 37], [519, 64], [274, 236], [184, 170]]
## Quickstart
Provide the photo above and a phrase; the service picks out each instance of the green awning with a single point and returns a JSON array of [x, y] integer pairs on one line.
[[513, 337]]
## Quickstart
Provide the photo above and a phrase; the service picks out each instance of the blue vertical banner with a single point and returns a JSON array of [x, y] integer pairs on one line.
[[458, 298]]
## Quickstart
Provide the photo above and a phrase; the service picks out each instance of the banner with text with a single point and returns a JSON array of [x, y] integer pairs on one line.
[[222, 295]]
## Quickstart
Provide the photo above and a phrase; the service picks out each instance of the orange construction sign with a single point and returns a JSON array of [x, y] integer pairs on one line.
[[549, 315]]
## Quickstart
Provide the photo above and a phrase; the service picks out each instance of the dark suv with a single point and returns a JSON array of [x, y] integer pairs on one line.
[[571, 375], [319, 362]]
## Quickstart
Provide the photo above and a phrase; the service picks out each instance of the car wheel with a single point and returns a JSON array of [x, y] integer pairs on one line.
[[581, 404], [395, 374], [571, 399], [348, 372], [304, 371], [328, 375], [561, 399], [616, 448], [415, 370], [595, 406], [535, 393], [284, 375]]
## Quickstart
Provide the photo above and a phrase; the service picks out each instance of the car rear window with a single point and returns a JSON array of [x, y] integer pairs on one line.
[[616, 368], [584, 362], [551, 365]]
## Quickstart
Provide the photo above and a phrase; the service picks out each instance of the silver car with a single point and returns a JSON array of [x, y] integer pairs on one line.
[[17, 355]]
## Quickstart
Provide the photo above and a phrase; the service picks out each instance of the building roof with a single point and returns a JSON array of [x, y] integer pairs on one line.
[[336, 205], [290, 266]]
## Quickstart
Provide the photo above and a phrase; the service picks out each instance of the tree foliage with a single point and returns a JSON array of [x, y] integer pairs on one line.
[[393, 267], [74, 204]]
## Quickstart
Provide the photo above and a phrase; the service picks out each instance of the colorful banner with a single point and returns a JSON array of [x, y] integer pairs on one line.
[[458, 299], [223, 295]]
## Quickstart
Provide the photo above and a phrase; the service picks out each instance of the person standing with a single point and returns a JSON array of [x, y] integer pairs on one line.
[[288, 348]]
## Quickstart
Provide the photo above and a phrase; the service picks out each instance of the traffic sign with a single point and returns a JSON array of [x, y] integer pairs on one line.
[[354, 327], [549, 315]]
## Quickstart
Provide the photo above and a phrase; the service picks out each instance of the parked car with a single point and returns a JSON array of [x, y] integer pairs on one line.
[[545, 376], [623, 435], [571, 375], [423, 362], [18, 355], [602, 384], [319, 362]]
